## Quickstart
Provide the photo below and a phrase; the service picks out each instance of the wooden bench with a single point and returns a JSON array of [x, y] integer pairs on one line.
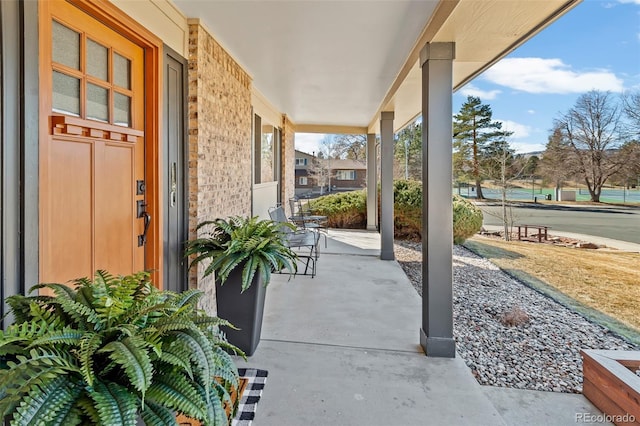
[[540, 228]]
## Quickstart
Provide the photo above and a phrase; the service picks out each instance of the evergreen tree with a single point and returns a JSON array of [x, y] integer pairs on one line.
[[556, 164], [496, 156], [475, 135]]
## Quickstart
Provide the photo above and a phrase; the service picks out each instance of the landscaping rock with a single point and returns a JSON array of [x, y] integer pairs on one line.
[[584, 245], [542, 353]]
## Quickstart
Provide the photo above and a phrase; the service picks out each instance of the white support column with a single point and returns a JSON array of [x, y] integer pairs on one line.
[[386, 185], [372, 183], [436, 334]]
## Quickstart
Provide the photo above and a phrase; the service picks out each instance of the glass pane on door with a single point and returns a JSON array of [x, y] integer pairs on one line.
[[66, 94], [121, 71], [66, 46], [121, 109], [97, 103], [97, 60]]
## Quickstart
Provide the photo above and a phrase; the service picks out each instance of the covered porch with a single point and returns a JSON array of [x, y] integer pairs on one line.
[[342, 349]]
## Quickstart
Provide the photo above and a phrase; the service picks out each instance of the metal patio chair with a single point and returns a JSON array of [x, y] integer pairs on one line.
[[303, 241], [305, 219]]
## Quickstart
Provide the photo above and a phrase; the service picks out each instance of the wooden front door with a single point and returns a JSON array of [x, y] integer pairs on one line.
[[92, 161]]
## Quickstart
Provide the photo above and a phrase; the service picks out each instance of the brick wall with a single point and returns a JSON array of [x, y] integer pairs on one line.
[[288, 154], [359, 182], [219, 141]]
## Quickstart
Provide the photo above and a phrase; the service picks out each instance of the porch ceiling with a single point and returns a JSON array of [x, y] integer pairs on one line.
[[339, 63]]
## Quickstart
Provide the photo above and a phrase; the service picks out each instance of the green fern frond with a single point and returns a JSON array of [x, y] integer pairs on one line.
[[23, 333], [38, 360], [199, 348], [177, 360], [9, 348], [41, 406], [66, 336], [44, 312], [229, 348], [248, 272], [88, 408], [215, 407], [104, 277], [12, 393], [114, 403], [207, 321], [166, 324], [224, 367], [190, 297], [19, 305], [178, 393], [115, 295], [84, 296], [130, 354], [60, 290], [229, 263], [68, 416], [157, 415], [219, 397], [84, 316], [89, 344]]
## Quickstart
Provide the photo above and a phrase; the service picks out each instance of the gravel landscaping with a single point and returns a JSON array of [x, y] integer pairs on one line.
[[509, 334]]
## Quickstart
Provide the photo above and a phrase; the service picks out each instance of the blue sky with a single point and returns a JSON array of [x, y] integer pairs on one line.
[[594, 46]]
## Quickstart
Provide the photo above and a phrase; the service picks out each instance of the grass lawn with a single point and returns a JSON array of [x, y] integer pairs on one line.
[[600, 281]]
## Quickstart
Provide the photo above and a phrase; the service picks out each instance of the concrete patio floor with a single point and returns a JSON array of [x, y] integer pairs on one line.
[[343, 349]]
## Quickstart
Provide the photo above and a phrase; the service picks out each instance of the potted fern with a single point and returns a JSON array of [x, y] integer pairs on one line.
[[243, 252], [114, 351]]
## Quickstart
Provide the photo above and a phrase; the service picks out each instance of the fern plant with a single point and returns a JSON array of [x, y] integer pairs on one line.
[[110, 350], [255, 245]]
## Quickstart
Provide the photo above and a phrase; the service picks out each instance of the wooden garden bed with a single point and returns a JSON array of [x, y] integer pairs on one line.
[[611, 384]]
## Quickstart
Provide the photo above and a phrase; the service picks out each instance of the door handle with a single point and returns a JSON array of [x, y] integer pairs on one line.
[[173, 184], [142, 239]]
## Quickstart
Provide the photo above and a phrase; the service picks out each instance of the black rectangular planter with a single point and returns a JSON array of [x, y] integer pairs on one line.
[[243, 310]]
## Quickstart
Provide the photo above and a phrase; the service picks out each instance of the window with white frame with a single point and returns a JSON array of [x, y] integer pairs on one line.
[[345, 175], [301, 161], [302, 180], [267, 139]]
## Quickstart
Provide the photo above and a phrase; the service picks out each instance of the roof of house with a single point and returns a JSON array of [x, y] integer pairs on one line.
[[348, 165]]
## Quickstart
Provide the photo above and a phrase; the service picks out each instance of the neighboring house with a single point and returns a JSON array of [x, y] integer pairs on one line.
[[346, 175], [304, 183], [125, 123]]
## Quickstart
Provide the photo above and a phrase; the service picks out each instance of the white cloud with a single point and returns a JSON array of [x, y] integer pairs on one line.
[[539, 75], [308, 142], [471, 90], [520, 131], [531, 111], [630, 1]]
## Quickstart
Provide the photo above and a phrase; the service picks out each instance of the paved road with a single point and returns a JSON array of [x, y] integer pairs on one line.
[[618, 223]]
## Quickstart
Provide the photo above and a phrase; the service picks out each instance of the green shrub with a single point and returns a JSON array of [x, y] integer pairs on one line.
[[349, 210], [343, 209], [407, 196], [467, 219]]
